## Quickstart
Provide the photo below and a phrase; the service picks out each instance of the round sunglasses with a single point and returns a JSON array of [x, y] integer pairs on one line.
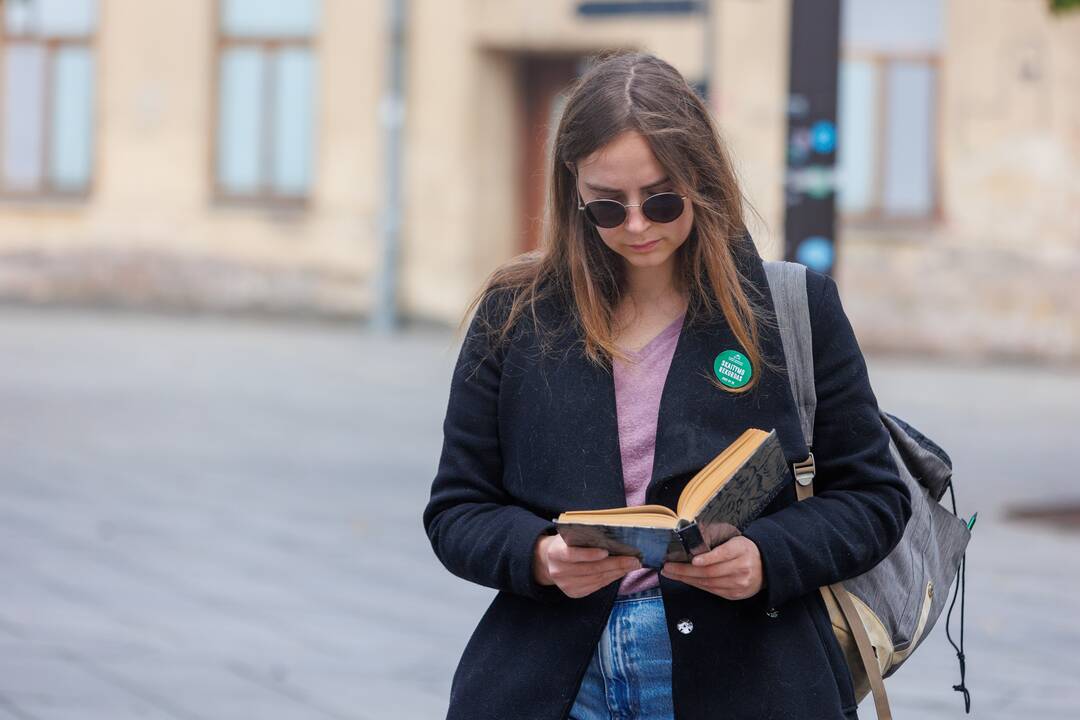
[[660, 208]]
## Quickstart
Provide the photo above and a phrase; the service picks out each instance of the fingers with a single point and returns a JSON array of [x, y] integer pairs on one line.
[[586, 585], [733, 580], [733, 548], [736, 557], [724, 588], [569, 553], [732, 568], [587, 560], [621, 565], [560, 551], [580, 571]]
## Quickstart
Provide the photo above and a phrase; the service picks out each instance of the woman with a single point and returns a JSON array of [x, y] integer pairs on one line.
[[587, 380]]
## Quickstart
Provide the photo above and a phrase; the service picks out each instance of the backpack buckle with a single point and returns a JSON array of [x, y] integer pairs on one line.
[[805, 470]]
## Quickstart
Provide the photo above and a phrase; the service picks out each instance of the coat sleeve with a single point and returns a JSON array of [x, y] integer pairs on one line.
[[475, 528], [860, 505]]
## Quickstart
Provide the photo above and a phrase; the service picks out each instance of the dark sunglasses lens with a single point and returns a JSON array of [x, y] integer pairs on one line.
[[663, 208], [605, 213]]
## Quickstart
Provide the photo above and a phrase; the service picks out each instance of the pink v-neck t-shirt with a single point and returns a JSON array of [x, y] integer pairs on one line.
[[638, 386]]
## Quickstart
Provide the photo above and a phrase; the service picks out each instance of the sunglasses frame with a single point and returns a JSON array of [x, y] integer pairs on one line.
[[582, 205]]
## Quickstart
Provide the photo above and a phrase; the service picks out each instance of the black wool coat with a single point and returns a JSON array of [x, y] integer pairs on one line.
[[530, 434]]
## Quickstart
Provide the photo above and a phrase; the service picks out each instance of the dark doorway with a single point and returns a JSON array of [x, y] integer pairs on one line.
[[543, 80]]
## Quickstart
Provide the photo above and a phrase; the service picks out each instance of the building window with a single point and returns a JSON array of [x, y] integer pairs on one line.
[[887, 123], [47, 97], [887, 154], [265, 100]]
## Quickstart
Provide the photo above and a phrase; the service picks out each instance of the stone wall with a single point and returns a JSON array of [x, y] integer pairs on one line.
[[927, 295], [999, 276]]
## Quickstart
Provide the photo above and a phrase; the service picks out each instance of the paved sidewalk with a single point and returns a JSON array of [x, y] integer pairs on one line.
[[218, 519]]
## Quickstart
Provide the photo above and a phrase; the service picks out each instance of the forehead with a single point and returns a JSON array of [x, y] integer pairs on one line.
[[626, 163]]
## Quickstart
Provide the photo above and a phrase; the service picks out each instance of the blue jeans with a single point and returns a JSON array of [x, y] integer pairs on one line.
[[629, 676]]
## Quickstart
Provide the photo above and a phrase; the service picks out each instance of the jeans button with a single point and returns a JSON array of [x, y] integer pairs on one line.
[[685, 626]]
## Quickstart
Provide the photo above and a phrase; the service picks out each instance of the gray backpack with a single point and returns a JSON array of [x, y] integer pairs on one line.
[[881, 616]]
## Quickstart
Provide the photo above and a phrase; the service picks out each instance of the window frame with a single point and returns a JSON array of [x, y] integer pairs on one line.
[[52, 45], [265, 195], [876, 214]]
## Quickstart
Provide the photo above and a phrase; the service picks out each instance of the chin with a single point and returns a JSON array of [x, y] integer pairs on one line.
[[651, 259]]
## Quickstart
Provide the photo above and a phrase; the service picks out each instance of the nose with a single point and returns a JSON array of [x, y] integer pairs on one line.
[[636, 222]]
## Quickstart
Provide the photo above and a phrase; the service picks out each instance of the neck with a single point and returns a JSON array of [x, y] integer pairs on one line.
[[652, 285]]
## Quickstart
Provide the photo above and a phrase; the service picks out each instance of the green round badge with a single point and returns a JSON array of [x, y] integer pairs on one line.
[[732, 368]]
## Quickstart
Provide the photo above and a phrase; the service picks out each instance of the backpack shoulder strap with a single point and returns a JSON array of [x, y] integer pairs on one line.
[[787, 282]]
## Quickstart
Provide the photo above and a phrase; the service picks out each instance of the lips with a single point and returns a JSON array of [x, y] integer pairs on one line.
[[645, 246]]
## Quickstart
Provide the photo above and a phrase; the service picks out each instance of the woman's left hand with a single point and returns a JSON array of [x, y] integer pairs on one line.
[[731, 570]]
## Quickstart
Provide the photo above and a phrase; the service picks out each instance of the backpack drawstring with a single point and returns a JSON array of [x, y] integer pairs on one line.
[[960, 590]]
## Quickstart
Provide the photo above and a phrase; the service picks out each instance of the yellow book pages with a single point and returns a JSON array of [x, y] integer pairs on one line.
[[697, 492], [640, 515], [713, 476]]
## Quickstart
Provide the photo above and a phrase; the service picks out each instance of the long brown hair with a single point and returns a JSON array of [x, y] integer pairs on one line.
[[636, 91]]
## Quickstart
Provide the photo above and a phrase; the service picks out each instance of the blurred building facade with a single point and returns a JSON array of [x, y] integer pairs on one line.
[[973, 245], [228, 154]]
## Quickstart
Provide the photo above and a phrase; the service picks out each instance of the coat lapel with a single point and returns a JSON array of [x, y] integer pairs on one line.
[[697, 419]]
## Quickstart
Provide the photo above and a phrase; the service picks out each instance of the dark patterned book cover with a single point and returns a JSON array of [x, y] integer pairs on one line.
[[730, 509]]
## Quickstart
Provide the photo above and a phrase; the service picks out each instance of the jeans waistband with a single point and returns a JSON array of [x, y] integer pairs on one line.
[[640, 595]]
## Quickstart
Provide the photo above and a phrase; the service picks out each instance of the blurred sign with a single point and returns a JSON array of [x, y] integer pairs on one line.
[[660, 7], [810, 183]]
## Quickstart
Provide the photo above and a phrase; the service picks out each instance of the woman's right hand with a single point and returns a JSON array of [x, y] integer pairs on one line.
[[577, 571]]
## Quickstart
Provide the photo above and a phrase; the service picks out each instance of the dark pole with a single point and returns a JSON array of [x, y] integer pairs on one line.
[[810, 187]]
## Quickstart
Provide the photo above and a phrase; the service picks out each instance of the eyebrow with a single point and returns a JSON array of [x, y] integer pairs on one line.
[[601, 188]]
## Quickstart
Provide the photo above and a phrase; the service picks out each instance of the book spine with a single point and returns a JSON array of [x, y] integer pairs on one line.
[[692, 539]]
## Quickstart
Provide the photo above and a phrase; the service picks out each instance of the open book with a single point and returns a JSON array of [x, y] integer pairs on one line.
[[716, 504]]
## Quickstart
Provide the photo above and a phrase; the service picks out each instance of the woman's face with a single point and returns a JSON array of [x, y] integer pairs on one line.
[[626, 170]]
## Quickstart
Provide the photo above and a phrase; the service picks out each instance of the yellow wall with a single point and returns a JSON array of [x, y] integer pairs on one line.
[[752, 90], [1012, 124]]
